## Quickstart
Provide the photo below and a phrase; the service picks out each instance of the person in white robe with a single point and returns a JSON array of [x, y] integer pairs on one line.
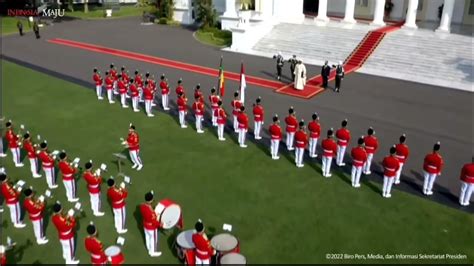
[[300, 76]]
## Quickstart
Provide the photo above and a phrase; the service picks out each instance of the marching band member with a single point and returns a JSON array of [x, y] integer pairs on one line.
[[152, 85], [30, 148], [180, 88], [123, 90], [467, 184], [12, 199], [66, 226], [214, 100], [301, 139], [236, 104], [35, 209], [14, 144], [314, 132], [432, 166], [98, 83], [291, 124], [243, 126], [124, 74], [275, 132], [109, 86], [139, 82], [68, 173], [117, 196], [113, 73], [151, 223], [371, 146], [148, 95], [359, 159], [135, 94], [329, 151], [94, 246], [343, 136], [203, 248], [390, 165], [198, 93], [258, 114], [198, 107], [93, 181], [133, 144], [402, 153], [47, 162], [181, 102], [165, 92], [221, 119]]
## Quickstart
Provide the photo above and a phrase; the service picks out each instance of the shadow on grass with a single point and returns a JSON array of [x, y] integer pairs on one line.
[[15, 255], [138, 218]]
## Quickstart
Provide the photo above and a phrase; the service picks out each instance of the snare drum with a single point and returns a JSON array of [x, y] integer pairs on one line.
[[184, 242], [169, 212], [233, 258], [114, 255], [225, 243]]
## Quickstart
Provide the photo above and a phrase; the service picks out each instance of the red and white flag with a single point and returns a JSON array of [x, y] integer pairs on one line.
[[243, 84]]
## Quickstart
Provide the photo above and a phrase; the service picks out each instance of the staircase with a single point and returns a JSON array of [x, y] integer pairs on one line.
[[365, 48]]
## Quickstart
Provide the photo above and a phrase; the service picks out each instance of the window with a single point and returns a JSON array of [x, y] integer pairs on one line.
[[471, 7], [364, 3]]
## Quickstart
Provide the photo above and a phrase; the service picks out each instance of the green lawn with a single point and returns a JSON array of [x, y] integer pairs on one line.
[[96, 12], [214, 37], [280, 213], [9, 25]]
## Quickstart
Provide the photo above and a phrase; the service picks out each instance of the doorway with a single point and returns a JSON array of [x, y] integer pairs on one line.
[[310, 7]]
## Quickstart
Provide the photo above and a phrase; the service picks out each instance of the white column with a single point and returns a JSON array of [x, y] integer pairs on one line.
[[410, 21], [379, 13], [230, 8], [447, 16], [349, 15], [322, 10]]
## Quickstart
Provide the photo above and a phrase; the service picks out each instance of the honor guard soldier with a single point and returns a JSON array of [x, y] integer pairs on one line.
[[198, 92], [329, 151], [243, 126], [12, 199], [314, 132], [198, 108], [148, 95], [293, 61], [133, 144], [402, 153], [221, 119], [202, 245], [135, 94], [35, 209], [123, 90], [139, 81], [291, 124], [214, 100], [68, 173], [47, 162], [114, 74], [325, 72], [279, 64], [390, 167], [339, 76], [93, 181], [109, 86], [371, 145], [180, 88], [94, 246], [182, 109], [359, 159], [467, 184], [117, 196], [258, 114], [432, 166], [276, 135], [30, 149], [151, 223], [98, 83], [152, 84], [165, 92], [66, 226], [13, 144], [236, 104], [124, 74], [343, 136], [301, 139]]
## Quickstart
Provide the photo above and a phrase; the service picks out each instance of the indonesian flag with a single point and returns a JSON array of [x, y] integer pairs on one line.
[[221, 85], [243, 84]]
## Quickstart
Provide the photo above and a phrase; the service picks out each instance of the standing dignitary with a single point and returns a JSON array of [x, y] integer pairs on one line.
[[359, 159], [339, 76], [467, 184], [13, 144], [117, 196], [122, 84], [236, 104], [390, 167], [243, 120], [98, 83], [182, 109], [214, 100], [12, 199], [291, 124], [133, 145], [203, 248], [276, 135], [36, 30], [148, 95], [47, 162], [93, 181], [300, 76], [68, 173], [343, 137], [94, 246], [279, 64], [301, 139], [293, 61], [198, 108], [221, 120], [402, 153], [371, 145], [35, 209], [66, 226], [325, 72], [432, 166], [165, 92], [30, 149], [258, 114], [151, 223], [329, 151], [109, 86], [314, 132], [135, 94]]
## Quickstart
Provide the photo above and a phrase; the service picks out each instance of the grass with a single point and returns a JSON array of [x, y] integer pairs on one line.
[[214, 36], [97, 12], [279, 213], [9, 25]]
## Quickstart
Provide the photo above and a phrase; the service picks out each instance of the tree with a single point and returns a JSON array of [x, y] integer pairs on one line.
[[166, 8], [70, 5], [207, 14]]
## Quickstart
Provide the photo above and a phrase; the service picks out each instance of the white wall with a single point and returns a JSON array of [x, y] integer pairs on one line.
[[432, 9], [399, 9], [458, 12], [288, 10]]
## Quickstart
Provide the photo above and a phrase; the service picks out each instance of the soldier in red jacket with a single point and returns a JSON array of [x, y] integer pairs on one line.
[[12, 199], [402, 153], [123, 90], [467, 184], [68, 173], [30, 149], [314, 132], [221, 120], [117, 196], [13, 143], [180, 88], [93, 181], [329, 151], [165, 92], [98, 83], [109, 86], [124, 74], [371, 146], [198, 93], [133, 144], [236, 104], [182, 109], [35, 209], [214, 100], [291, 124], [114, 75], [135, 94], [198, 107], [276, 135], [359, 159], [148, 95], [47, 161], [390, 167], [432, 166], [66, 226], [258, 114], [243, 126], [301, 139], [139, 82], [94, 246], [343, 136], [151, 223], [202, 245]]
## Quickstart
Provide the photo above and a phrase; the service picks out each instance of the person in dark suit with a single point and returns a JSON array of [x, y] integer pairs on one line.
[[325, 71], [293, 61], [36, 30], [19, 25], [339, 76]]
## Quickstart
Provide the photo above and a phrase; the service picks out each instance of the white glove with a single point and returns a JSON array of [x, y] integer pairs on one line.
[[76, 165], [97, 172], [122, 185], [124, 143], [41, 198], [70, 212]]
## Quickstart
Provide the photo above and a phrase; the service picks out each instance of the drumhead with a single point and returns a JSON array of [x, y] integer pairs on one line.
[[224, 242], [185, 239], [112, 251], [170, 216], [233, 258]]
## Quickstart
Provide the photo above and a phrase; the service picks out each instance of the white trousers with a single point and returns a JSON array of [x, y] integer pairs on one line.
[[34, 166], [135, 156], [164, 101], [95, 202], [313, 143], [290, 137], [15, 212], [236, 124], [341, 150], [466, 192], [68, 249], [38, 229], [220, 131], [1, 146], [257, 129], [202, 262], [151, 239], [120, 216], [275, 143], [368, 163], [110, 95], [140, 94], [135, 103], [16, 155], [326, 160], [148, 106], [299, 156], [214, 118], [242, 133], [429, 181], [98, 90], [182, 121], [50, 178], [387, 185], [399, 173], [355, 175], [123, 99], [198, 122], [70, 186]]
